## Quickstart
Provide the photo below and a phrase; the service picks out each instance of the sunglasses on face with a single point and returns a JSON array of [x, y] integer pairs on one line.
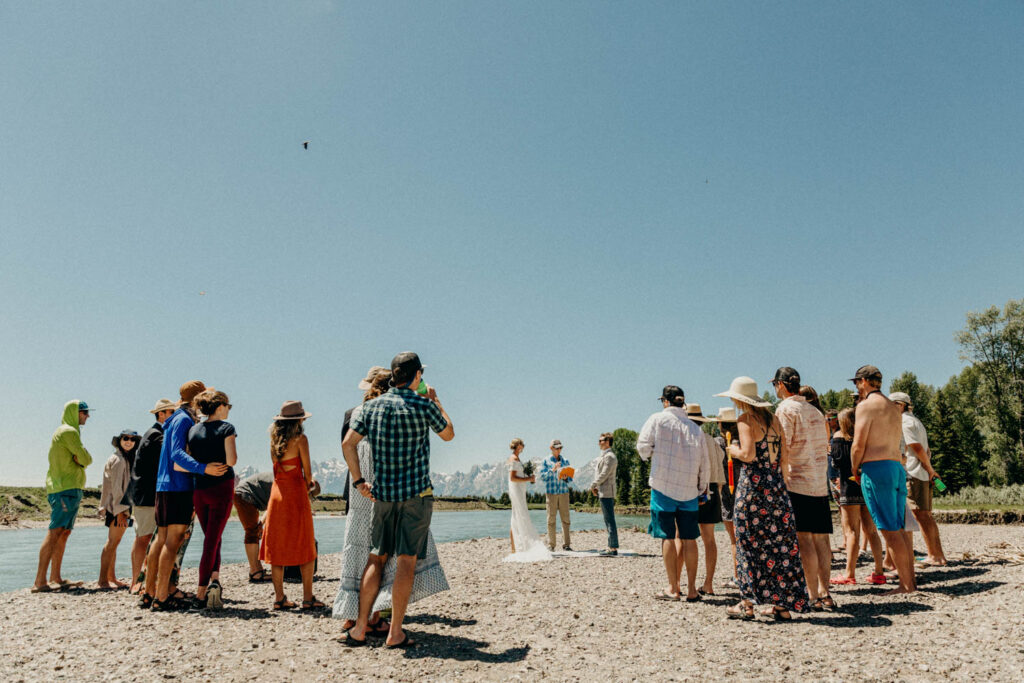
[[128, 438]]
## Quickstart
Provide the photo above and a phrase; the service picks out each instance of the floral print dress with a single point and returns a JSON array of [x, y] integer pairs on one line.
[[767, 556]]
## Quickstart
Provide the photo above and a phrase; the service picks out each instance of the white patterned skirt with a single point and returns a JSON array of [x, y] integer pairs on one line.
[[429, 578]]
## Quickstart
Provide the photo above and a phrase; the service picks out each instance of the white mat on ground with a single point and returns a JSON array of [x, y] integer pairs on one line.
[[593, 553]]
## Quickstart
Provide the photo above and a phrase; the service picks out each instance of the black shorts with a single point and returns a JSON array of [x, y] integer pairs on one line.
[[812, 513], [173, 507], [108, 519], [711, 511]]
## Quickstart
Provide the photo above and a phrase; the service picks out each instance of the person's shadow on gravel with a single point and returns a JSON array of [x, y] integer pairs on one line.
[[948, 573], [235, 613], [451, 622], [461, 649], [865, 614], [965, 587]]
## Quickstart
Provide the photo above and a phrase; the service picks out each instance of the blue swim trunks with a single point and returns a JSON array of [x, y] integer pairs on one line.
[[884, 485], [64, 508], [671, 518]]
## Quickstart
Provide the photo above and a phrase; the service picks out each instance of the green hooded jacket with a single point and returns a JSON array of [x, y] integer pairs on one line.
[[68, 457]]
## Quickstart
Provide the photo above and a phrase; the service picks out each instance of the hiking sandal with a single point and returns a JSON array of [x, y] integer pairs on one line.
[[311, 605], [284, 603], [259, 576], [146, 601]]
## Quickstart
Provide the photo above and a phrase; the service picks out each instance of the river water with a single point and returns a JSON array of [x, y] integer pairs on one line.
[[20, 547]]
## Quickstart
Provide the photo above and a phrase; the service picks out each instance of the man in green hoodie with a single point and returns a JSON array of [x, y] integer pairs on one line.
[[64, 483]]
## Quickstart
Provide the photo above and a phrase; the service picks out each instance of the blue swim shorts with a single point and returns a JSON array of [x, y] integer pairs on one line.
[[884, 485], [671, 518], [64, 508]]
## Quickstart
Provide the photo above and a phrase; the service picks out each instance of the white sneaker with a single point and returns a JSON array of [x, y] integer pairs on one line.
[[213, 596]]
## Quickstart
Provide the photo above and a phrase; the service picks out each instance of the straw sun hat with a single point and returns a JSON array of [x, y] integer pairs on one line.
[[744, 389]]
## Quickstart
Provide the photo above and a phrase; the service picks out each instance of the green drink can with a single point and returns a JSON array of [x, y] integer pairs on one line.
[[939, 485]]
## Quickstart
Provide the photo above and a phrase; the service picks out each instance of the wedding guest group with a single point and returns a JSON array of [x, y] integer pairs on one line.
[[766, 477]]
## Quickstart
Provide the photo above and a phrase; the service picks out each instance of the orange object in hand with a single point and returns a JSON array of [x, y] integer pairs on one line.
[[732, 477], [566, 473]]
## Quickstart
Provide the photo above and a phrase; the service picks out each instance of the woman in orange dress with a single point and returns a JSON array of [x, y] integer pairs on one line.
[[288, 527]]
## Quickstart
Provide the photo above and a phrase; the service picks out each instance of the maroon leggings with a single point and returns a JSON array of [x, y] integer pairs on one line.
[[213, 509]]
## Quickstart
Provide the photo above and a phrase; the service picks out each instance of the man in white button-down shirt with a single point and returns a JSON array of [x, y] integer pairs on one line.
[[679, 474]]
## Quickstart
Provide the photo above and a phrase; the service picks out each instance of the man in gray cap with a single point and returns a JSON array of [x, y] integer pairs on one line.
[[920, 475]]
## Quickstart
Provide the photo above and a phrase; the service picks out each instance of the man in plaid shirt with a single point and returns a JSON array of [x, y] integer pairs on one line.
[[557, 489], [397, 426]]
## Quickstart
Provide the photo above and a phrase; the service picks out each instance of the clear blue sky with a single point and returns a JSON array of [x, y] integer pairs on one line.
[[561, 206]]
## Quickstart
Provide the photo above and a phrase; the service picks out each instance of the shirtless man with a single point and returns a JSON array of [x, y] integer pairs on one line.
[[875, 455]]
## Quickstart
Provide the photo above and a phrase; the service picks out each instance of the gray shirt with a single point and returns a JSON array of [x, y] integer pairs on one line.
[[605, 480], [256, 489]]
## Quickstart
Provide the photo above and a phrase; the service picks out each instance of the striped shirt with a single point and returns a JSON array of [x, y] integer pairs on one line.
[[675, 445], [549, 475], [806, 437], [397, 426]]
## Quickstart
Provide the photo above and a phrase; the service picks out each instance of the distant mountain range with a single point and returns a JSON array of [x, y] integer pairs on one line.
[[480, 480]]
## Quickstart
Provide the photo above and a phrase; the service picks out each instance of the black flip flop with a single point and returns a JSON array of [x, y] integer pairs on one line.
[[696, 598], [378, 630], [407, 642], [349, 641]]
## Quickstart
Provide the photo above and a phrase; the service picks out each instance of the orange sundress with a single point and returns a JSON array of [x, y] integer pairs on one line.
[[288, 538]]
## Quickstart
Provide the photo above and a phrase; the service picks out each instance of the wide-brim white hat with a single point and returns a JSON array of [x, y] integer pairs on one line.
[[744, 390]]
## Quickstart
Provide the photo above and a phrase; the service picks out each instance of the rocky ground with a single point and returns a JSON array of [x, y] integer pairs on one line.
[[575, 618]]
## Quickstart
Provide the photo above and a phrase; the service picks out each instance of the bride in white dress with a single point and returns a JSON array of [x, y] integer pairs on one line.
[[526, 544]]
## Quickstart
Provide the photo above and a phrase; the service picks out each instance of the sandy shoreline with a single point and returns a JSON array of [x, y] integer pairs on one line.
[[573, 619]]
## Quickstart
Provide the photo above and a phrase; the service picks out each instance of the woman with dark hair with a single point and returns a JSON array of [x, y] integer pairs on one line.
[[768, 559], [288, 527], [212, 441], [115, 504], [855, 516]]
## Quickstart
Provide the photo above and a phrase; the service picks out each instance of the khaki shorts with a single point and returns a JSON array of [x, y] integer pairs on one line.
[[920, 494], [401, 527], [145, 520]]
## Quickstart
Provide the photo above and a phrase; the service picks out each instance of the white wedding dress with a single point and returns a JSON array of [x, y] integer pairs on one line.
[[529, 547]]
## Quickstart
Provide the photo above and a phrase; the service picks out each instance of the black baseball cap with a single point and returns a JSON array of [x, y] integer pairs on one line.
[[867, 372], [671, 393], [404, 367]]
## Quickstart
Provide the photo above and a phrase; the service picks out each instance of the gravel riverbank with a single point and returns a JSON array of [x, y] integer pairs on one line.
[[575, 618]]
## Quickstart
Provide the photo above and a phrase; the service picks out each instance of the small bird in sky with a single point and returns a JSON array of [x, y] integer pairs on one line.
[[305, 145], [705, 181]]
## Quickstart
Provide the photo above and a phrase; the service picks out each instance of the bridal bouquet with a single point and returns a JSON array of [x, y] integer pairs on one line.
[[528, 468]]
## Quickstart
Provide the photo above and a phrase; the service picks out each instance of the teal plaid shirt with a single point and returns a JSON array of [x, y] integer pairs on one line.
[[397, 426], [549, 475]]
